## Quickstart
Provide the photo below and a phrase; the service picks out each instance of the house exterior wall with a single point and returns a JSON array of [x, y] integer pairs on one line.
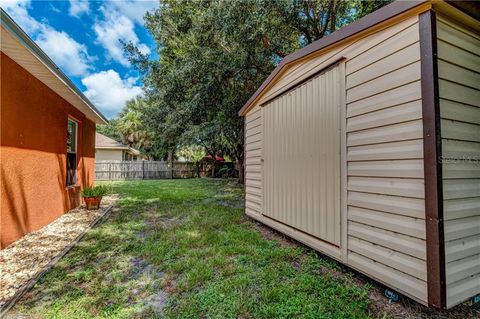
[[33, 153], [383, 232], [108, 155], [459, 92]]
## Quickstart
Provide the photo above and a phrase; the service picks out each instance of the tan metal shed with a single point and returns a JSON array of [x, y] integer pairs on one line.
[[365, 145]]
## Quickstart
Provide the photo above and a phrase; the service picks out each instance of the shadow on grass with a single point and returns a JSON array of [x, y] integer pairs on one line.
[[99, 277], [189, 239]]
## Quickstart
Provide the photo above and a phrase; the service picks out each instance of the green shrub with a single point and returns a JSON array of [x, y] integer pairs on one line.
[[95, 191], [225, 172]]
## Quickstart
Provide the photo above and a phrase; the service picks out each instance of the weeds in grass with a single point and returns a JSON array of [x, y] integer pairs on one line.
[[189, 241]]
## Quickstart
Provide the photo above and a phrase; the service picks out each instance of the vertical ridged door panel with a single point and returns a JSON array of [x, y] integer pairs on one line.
[[301, 153]]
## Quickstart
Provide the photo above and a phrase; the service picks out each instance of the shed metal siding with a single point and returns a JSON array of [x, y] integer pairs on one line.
[[386, 205], [403, 33], [302, 156], [459, 89], [253, 161], [384, 152]]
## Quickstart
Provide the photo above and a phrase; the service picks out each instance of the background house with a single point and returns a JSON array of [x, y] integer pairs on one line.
[[107, 149], [47, 148]]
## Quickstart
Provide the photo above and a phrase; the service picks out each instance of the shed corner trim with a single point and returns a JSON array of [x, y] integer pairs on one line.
[[432, 144]]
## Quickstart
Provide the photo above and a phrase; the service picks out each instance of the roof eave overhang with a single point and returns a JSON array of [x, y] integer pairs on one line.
[[18, 34], [383, 14], [134, 151], [471, 8]]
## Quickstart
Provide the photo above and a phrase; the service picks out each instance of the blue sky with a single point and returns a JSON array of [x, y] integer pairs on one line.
[[82, 38]]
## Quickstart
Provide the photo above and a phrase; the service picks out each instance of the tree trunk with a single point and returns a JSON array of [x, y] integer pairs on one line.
[[170, 163], [241, 171], [213, 169], [240, 157]]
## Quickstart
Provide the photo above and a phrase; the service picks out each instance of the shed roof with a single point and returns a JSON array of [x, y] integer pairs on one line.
[[17, 45], [385, 13]]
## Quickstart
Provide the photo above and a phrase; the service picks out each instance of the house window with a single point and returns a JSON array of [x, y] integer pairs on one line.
[[72, 132]]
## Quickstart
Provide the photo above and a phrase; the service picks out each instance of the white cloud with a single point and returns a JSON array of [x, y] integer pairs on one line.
[[17, 9], [135, 9], [109, 92], [106, 89], [70, 55], [54, 9], [143, 48], [78, 7], [112, 29]]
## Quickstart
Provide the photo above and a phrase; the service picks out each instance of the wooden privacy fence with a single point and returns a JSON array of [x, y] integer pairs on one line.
[[120, 170]]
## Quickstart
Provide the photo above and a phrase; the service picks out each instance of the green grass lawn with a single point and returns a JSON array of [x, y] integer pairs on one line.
[[189, 240]]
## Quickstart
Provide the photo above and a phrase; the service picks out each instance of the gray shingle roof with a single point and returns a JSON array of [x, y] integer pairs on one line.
[[107, 142]]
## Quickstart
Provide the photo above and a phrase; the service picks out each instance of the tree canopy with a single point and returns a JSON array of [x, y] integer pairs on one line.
[[213, 55]]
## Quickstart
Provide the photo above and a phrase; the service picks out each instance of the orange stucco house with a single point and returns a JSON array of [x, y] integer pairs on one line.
[[47, 133]]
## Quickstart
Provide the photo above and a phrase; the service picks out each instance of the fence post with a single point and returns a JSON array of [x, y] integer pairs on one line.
[[131, 170]]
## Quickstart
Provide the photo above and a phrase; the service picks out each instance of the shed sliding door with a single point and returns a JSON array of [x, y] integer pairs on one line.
[[302, 156]]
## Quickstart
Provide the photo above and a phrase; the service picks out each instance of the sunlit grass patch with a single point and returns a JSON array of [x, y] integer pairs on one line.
[[190, 241]]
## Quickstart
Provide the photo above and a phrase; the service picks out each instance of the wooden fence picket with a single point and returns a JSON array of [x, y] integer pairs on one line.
[[129, 170]]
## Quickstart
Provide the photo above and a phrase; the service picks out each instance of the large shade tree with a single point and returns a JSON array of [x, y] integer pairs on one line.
[[213, 55]]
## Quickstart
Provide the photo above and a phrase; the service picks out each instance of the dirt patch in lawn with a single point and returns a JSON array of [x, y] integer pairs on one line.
[[224, 199], [155, 222], [379, 307], [147, 274], [141, 268], [30, 255]]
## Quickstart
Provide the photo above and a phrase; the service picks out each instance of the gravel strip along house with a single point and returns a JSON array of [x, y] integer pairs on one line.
[[386, 116]]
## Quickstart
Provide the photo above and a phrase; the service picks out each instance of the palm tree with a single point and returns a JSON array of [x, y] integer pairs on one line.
[[130, 124]]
